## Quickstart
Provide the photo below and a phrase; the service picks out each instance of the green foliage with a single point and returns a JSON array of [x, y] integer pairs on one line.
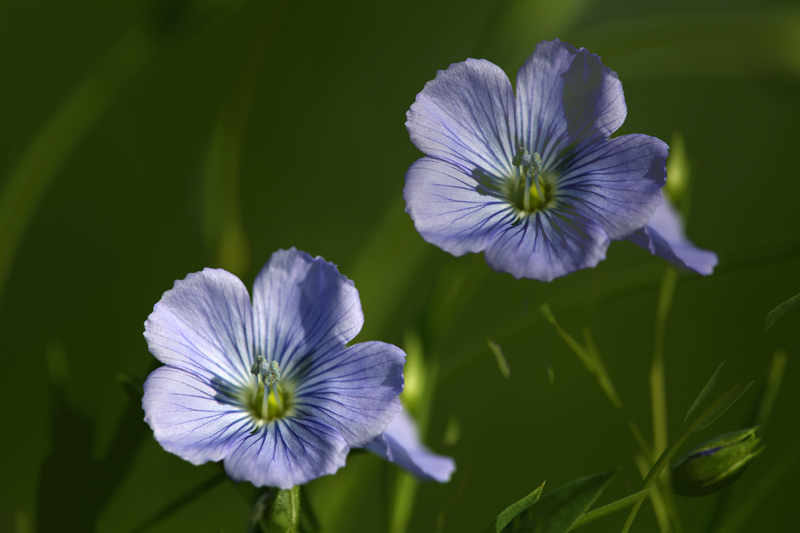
[[776, 314], [703, 393], [555, 513], [502, 363], [722, 404], [504, 518], [119, 154], [707, 417], [775, 375], [589, 356]]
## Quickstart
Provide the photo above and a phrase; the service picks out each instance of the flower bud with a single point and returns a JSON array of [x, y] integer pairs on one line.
[[716, 463]]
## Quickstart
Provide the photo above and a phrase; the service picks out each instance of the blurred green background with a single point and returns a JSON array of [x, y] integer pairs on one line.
[[142, 141]]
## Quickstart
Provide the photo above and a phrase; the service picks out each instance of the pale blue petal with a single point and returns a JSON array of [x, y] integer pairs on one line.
[[354, 390], [548, 244], [400, 444], [566, 98], [204, 325], [192, 416], [287, 452], [449, 210], [466, 116], [617, 182], [302, 305], [664, 236]]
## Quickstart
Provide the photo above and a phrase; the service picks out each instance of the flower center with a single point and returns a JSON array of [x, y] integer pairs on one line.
[[266, 401], [533, 189]]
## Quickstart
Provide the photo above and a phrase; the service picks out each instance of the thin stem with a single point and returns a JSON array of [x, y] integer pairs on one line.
[[707, 417], [652, 476], [658, 394], [180, 502], [605, 510]]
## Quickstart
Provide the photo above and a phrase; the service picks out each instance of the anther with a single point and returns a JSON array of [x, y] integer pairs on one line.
[[531, 166], [269, 373]]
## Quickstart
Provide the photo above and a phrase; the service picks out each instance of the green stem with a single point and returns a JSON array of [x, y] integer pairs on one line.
[[658, 393], [652, 476], [180, 502], [522, 329], [665, 506], [612, 507], [704, 420]]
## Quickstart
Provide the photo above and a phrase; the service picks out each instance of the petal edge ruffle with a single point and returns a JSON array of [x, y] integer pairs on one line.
[[466, 116], [566, 98], [302, 305], [204, 325]]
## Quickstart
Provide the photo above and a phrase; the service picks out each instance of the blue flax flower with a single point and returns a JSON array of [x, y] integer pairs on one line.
[[269, 388], [400, 444], [664, 236], [531, 180]]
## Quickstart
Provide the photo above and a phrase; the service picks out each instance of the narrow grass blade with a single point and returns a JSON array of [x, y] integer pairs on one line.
[[606, 510], [589, 356], [720, 406], [776, 314], [603, 377], [502, 363], [561, 509], [704, 392], [773, 386], [583, 355], [513, 510]]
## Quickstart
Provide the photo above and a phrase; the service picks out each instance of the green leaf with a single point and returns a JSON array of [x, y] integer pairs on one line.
[[720, 406], [513, 510], [774, 315], [708, 416], [589, 356], [611, 508], [603, 377], [561, 509], [704, 392], [502, 363], [777, 370], [583, 355]]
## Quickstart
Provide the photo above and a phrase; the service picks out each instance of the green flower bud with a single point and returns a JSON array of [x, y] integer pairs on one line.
[[716, 463]]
